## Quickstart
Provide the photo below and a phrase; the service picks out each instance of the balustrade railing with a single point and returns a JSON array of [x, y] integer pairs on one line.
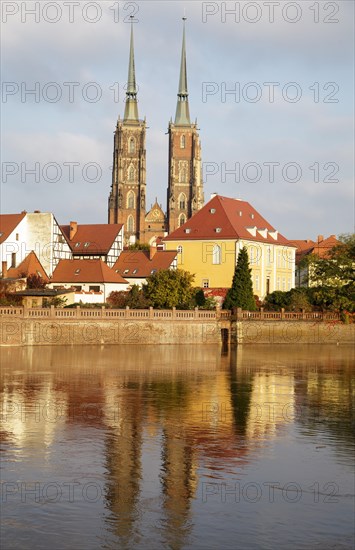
[[161, 314]]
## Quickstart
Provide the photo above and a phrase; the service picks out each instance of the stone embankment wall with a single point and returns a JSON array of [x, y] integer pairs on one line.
[[78, 327], [292, 332], [19, 326]]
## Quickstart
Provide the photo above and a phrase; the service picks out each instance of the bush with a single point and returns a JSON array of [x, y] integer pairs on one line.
[[134, 299]]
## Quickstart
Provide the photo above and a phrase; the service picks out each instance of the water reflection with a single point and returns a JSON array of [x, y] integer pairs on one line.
[[159, 431]]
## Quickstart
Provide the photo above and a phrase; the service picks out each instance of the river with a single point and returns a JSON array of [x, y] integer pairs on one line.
[[181, 447]]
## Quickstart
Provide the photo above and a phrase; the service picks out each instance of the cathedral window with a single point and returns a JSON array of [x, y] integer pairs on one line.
[[182, 201], [182, 219], [216, 255], [130, 200], [131, 173], [130, 224], [132, 145], [183, 175], [182, 142]]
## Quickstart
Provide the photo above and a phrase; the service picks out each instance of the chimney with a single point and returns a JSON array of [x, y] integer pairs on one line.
[[4, 269], [320, 238], [73, 230], [152, 252]]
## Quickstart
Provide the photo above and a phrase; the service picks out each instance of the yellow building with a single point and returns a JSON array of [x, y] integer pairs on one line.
[[208, 245]]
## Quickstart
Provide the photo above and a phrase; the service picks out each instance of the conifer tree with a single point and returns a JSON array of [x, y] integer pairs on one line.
[[241, 292]]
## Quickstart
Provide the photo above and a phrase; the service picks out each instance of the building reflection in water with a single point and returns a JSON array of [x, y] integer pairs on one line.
[[202, 414]]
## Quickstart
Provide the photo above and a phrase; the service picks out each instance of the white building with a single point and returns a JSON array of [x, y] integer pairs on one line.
[[92, 280], [36, 231]]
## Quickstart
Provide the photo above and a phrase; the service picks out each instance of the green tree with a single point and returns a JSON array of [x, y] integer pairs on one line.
[[333, 276], [139, 246], [170, 288], [202, 302], [134, 299], [241, 292]]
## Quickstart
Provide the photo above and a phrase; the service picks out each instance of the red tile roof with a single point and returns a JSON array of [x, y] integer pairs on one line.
[[224, 218], [8, 223], [29, 266], [321, 247], [85, 271], [99, 237], [136, 263]]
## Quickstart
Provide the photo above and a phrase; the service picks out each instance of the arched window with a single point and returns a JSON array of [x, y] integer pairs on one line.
[[131, 173], [182, 219], [182, 201], [216, 255], [132, 145], [130, 224], [130, 200], [182, 142]]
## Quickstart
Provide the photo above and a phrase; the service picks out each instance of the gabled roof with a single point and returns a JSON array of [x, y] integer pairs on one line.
[[321, 247], [85, 271], [136, 263], [29, 266], [224, 218], [8, 223], [150, 217], [92, 238]]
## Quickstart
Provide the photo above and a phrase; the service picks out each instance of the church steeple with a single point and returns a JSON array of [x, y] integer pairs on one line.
[[182, 116], [185, 185], [131, 108], [128, 191]]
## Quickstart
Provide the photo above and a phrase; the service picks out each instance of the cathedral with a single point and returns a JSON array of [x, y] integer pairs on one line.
[[127, 200]]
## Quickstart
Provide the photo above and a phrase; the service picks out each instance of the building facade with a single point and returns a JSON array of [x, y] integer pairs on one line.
[[32, 231], [209, 243]]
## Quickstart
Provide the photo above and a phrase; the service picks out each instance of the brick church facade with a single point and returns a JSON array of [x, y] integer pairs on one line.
[[127, 199]]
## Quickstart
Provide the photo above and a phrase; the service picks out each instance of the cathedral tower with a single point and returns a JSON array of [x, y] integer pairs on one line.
[[128, 190], [185, 186]]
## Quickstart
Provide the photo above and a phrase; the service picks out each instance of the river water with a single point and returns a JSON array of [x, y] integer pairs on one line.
[[177, 447]]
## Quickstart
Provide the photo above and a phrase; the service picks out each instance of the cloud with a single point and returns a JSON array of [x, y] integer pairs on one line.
[[305, 52]]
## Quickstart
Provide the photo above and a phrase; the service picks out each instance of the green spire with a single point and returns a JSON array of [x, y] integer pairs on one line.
[[182, 116], [131, 108]]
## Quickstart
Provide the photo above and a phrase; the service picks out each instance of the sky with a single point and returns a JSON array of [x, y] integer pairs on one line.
[[271, 85]]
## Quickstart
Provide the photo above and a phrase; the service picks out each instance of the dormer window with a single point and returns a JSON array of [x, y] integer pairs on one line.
[[77, 245], [126, 271], [187, 230], [86, 245], [218, 229], [77, 271], [252, 216], [135, 271], [153, 271], [240, 213], [212, 210]]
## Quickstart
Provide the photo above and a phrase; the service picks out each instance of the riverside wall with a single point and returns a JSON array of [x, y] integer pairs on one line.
[[22, 327]]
